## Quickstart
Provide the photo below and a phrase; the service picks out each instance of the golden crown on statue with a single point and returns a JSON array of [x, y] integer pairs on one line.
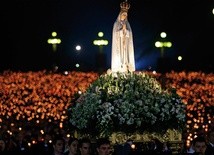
[[124, 6]]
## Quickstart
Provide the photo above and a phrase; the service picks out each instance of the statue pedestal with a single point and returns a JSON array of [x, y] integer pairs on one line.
[[170, 135]]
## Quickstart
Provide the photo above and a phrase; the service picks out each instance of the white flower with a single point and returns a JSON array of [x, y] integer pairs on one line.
[[130, 100]]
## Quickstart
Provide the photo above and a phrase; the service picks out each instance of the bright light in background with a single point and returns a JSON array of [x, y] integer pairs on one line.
[[77, 65], [78, 47], [54, 40], [157, 44], [54, 34], [133, 146], [154, 72], [179, 58], [100, 34], [66, 72], [213, 11], [163, 44], [163, 34], [100, 42]]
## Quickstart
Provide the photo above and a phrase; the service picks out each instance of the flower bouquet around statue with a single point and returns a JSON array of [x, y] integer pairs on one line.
[[126, 102]]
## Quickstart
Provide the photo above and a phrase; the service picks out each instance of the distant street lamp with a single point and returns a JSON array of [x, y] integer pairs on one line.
[[78, 49], [163, 43], [100, 42], [54, 41], [180, 58], [101, 59]]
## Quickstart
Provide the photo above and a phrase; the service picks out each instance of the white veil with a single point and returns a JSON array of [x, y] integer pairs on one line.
[[116, 47]]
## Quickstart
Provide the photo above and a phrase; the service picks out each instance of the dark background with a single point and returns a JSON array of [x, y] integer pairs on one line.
[[27, 24]]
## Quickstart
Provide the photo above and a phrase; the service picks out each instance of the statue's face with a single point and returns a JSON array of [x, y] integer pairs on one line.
[[123, 16]]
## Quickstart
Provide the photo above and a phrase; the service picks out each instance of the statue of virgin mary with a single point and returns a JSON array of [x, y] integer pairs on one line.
[[122, 58]]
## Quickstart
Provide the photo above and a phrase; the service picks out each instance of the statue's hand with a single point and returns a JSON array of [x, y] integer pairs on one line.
[[124, 26]]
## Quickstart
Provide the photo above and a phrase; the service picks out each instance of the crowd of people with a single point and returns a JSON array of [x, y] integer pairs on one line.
[[49, 145], [59, 144], [202, 145], [33, 104]]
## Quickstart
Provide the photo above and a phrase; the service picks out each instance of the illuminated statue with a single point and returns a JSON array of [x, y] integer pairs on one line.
[[122, 42]]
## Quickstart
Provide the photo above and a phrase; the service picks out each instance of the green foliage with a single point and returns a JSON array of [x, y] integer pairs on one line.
[[127, 102]]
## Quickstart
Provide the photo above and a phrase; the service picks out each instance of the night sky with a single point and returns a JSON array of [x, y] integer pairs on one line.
[[27, 24]]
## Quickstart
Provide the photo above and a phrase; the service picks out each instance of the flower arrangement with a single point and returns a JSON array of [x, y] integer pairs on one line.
[[126, 102]]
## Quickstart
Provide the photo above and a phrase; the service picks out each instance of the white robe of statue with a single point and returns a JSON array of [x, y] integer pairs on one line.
[[122, 59]]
